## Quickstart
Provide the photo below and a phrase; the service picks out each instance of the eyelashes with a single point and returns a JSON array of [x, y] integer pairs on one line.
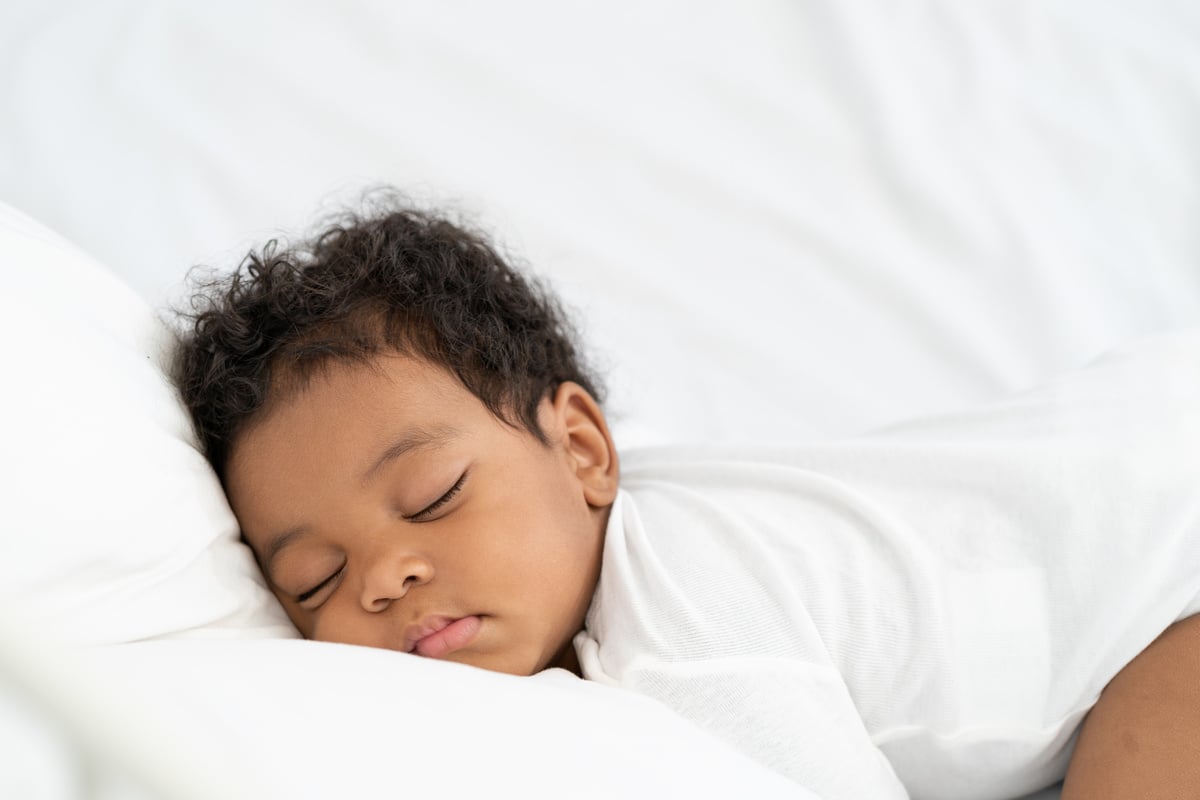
[[424, 513]]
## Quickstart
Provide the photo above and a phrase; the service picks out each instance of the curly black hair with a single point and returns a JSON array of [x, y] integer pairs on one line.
[[388, 279]]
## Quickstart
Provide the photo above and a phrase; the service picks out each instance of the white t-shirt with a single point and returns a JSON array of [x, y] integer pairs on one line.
[[932, 608]]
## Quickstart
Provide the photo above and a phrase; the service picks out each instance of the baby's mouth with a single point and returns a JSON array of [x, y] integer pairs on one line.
[[438, 636]]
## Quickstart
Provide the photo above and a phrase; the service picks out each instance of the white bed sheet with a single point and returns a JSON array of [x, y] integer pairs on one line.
[[779, 219]]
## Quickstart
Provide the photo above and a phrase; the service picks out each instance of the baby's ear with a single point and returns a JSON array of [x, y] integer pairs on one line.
[[588, 443]]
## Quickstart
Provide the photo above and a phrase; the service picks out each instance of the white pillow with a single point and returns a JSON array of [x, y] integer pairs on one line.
[[115, 529]]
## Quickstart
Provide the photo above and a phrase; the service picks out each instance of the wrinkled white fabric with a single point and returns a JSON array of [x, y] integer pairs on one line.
[[948, 597]]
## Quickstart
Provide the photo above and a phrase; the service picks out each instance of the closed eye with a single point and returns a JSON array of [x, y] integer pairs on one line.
[[424, 513], [308, 595]]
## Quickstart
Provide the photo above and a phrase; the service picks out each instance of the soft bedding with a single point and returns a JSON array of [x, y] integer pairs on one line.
[[778, 222]]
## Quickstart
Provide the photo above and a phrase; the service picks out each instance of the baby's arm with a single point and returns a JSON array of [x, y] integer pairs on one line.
[[1142, 739]]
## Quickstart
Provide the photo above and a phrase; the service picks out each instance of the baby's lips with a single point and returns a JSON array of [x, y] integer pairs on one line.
[[429, 624], [454, 634]]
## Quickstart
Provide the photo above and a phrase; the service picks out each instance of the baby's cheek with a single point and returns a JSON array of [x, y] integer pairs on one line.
[[327, 625]]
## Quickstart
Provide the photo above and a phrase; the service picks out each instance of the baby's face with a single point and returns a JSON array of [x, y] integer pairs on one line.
[[388, 507]]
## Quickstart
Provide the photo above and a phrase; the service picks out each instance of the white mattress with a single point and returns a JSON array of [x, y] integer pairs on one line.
[[779, 220]]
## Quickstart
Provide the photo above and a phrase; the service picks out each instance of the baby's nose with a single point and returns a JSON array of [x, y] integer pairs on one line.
[[391, 578]]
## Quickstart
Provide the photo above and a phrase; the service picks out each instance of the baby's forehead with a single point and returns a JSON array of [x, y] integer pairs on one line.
[[347, 409]]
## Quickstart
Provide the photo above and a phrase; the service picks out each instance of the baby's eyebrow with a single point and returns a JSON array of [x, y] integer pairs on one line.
[[409, 440]]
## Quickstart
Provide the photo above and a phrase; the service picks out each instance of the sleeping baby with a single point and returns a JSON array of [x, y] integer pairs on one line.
[[966, 607]]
